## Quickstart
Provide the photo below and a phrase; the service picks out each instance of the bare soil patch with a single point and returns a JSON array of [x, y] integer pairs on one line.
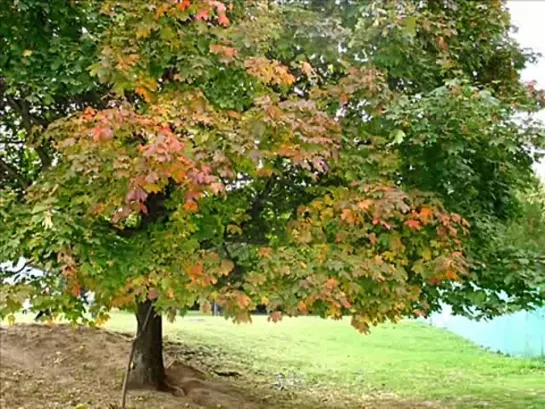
[[76, 367]]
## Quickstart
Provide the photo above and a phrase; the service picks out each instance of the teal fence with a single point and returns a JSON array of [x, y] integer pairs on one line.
[[520, 334]]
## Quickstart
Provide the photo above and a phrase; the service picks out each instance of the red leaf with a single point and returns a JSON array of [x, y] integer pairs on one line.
[[202, 15], [385, 225], [137, 195], [101, 134], [220, 7]]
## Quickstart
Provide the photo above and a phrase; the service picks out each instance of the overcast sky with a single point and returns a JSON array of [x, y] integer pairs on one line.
[[529, 17]]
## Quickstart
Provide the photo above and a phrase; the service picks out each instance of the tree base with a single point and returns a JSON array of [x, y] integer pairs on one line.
[[147, 368]]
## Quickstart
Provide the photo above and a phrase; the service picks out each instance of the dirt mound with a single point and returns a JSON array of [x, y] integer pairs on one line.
[[63, 367], [82, 368]]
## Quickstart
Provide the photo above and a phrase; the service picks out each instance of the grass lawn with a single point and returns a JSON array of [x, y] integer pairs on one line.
[[411, 360]]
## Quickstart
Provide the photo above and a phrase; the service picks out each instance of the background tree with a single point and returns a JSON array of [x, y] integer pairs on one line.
[[359, 160]]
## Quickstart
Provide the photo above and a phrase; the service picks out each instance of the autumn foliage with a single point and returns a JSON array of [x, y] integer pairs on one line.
[[298, 155]]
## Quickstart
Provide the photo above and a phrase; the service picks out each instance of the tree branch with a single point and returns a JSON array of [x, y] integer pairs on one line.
[[28, 119], [12, 173]]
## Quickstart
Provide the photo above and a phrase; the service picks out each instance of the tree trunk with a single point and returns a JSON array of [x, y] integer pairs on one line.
[[148, 369]]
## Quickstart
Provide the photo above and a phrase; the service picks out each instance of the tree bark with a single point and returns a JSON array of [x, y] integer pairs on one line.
[[148, 369]]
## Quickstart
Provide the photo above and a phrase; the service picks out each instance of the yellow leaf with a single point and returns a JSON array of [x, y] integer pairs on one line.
[[27, 53], [418, 267], [152, 188], [11, 319], [101, 319], [426, 254], [234, 229], [226, 267], [47, 223], [144, 93]]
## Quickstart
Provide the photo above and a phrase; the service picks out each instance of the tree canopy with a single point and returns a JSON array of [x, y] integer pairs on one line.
[[325, 157]]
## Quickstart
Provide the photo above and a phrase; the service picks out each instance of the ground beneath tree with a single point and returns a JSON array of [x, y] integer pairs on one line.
[[67, 367]]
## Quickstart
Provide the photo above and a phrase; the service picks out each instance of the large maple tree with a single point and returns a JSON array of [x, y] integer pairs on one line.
[[315, 157]]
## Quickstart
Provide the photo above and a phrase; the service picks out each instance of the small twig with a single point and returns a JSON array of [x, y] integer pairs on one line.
[[131, 356], [20, 270]]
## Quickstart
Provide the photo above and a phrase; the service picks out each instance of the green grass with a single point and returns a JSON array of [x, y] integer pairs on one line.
[[411, 360]]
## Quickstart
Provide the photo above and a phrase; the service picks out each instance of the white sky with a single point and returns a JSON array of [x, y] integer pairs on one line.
[[529, 17]]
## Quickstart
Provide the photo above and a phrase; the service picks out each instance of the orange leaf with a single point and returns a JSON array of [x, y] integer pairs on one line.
[[191, 206], [228, 53], [419, 313], [365, 204], [413, 224], [152, 294], [144, 93], [195, 271], [170, 293], [76, 290], [183, 5], [348, 216], [265, 252], [331, 283], [425, 214], [441, 43], [223, 20], [243, 301], [307, 68]]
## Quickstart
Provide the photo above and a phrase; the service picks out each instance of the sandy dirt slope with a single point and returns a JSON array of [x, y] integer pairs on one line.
[[82, 368]]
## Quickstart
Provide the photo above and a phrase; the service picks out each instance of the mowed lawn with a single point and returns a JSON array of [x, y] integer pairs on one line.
[[409, 361]]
